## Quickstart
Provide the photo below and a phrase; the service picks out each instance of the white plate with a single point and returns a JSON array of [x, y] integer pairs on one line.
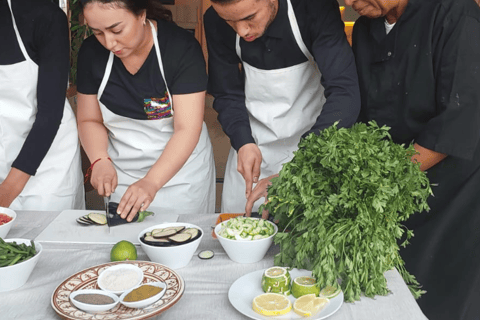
[[245, 288]]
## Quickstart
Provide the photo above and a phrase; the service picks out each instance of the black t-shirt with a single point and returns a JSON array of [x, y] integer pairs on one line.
[[43, 28], [322, 31], [125, 93]]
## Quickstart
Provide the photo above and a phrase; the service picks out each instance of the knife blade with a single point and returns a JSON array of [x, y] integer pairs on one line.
[[108, 214]]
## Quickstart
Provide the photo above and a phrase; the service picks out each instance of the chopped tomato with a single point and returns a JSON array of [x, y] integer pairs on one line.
[[4, 218]]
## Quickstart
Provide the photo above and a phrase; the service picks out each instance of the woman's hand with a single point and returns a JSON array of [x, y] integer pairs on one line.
[[104, 177], [137, 198], [12, 186], [258, 192]]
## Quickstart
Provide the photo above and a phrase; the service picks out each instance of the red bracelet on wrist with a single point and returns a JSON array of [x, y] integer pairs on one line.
[[89, 170]]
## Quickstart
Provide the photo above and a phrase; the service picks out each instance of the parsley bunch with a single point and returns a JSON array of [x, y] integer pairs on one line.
[[340, 203]]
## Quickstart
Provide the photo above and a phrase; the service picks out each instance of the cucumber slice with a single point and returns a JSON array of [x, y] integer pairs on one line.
[[206, 254], [98, 218]]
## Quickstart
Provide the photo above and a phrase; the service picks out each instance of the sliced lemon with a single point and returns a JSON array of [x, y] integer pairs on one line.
[[309, 305], [304, 285], [329, 292], [271, 304], [276, 280]]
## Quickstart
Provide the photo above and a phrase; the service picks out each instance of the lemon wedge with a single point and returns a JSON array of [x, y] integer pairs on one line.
[[309, 305], [271, 304]]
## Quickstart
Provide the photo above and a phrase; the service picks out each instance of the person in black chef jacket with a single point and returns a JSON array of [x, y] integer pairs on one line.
[[419, 70], [39, 151], [297, 76]]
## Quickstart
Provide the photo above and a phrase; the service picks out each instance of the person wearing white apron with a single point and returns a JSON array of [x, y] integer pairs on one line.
[[135, 146], [282, 104], [57, 183]]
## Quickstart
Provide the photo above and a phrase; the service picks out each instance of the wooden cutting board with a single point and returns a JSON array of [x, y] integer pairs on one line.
[[65, 229]]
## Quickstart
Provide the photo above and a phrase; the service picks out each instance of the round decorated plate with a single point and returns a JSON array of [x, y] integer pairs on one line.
[[87, 279]]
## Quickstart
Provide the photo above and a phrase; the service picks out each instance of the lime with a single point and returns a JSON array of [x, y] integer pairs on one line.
[[309, 304], [330, 292], [304, 285], [123, 250], [271, 304], [276, 280]]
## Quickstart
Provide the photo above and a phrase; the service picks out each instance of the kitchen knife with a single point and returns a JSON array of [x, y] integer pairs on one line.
[[108, 214]]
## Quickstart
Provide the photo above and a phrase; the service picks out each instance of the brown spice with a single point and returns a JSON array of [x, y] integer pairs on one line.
[[94, 298], [141, 293]]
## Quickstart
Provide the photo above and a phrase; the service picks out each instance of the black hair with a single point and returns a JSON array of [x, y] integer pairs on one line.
[[154, 8]]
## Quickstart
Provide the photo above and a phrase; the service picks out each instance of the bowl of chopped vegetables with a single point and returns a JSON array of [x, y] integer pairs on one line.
[[245, 239], [171, 244], [7, 216], [19, 258]]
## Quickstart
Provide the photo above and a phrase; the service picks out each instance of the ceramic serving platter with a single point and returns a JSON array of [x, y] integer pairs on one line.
[[87, 279]]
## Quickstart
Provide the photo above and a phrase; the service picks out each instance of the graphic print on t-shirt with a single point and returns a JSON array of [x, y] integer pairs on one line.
[[158, 108]]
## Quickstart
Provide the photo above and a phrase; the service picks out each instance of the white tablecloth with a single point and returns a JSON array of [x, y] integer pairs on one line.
[[207, 281]]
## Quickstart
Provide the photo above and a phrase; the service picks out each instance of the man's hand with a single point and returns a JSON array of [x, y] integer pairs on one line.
[[258, 192], [249, 161]]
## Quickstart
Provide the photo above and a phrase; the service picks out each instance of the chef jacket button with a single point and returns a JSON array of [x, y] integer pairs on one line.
[[389, 53], [269, 50]]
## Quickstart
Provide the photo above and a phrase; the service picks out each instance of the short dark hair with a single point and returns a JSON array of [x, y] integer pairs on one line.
[[154, 8]]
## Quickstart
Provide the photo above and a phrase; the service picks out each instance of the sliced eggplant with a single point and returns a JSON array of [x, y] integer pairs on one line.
[[148, 234], [179, 228], [162, 242], [193, 231], [180, 238], [98, 218], [83, 223], [86, 220], [165, 233]]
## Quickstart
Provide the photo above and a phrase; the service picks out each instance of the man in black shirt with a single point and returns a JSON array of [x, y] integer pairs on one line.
[[297, 76], [419, 71]]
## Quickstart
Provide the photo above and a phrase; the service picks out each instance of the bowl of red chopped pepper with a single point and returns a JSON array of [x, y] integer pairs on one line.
[[7, 217]]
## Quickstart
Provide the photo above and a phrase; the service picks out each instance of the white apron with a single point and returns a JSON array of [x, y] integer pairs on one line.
[[135, 145], [282, 105], [58, 182]]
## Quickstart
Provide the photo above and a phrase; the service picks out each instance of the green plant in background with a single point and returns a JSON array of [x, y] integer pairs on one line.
[[341, 202], [79, 31]]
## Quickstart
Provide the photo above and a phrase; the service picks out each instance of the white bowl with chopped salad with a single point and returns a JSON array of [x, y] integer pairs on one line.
[[245, 239], [7, 216]]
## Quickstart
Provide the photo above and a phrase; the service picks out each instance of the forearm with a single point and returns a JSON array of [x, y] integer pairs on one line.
[[94, 138], [176, 153], [12, 186], [426, 157]]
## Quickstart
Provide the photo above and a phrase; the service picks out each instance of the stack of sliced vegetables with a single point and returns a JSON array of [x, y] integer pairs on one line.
[[92, 218], [245, 228], [171, 236]]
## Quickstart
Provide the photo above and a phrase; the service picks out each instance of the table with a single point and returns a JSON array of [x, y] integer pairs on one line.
[[207, 281]]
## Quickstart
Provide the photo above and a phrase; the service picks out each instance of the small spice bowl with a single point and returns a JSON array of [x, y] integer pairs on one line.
[[145, 302], [118, 273], [91, 307]]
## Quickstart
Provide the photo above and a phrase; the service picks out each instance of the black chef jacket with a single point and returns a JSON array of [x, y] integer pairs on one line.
[[43, 27], [423, 81], [323, 33]]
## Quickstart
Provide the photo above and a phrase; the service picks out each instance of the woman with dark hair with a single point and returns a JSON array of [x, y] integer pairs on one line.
[[40, 165], [141, 84]]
